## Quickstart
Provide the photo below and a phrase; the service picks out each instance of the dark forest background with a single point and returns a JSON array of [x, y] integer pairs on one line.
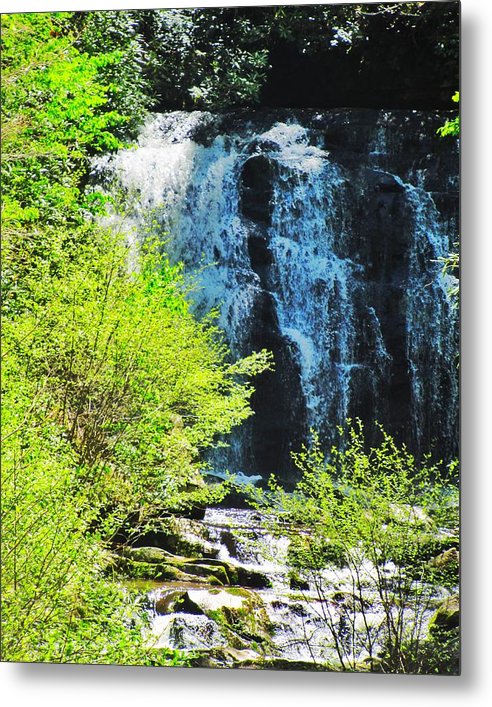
[[388, 55]]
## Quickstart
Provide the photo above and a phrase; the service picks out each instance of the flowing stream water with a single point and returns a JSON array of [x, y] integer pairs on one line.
[[310, 619]]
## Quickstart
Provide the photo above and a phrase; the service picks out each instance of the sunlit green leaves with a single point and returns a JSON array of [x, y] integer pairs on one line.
[[451, 127], [54, 115], [373, 517], [111, 389]]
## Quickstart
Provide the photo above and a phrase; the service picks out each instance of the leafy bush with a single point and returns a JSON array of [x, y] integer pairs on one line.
[[451, 127], [135, 381], [55, 113], [111, 389], [117, 34], [214, 58], [376, 516]]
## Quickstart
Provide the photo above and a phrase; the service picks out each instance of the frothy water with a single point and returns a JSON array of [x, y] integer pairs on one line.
[[315, 252], [311, 623]]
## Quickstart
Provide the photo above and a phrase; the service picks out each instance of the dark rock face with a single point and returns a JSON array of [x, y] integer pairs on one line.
[[325, 230], [278, 399], [257, 189]]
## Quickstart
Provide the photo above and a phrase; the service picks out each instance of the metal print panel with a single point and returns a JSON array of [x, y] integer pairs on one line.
[[230, 321]]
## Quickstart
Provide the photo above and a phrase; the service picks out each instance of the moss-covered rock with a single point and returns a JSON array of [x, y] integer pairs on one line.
[[250, 578], [446, 617], [297, 582], [286, 664], [239, 613], [157, 563], [167, 601], [432, 545], [449, 560], [173, 569], [152, 555], [176, 534], [349, 600], [416, 557], [227, 657]]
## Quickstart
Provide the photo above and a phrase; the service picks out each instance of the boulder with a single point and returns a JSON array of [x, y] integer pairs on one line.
[[446, 617], [194, 632], [157, 563], [232, 617], [152, 555], [286, 664], [349, 600], [415, 556], [227, 657], [173, 569], [249, 659], [251, 578], [178, 535], [196, 601], [208, 600], [299, 583], [448, 560], [238, 612], [167, 600], [200, 574], [256, 188]]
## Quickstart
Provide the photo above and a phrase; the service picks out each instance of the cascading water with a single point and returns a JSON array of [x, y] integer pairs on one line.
[[317, 236], [304, 619]]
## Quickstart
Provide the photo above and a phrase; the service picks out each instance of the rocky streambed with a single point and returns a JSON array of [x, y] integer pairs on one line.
[[221, 589]]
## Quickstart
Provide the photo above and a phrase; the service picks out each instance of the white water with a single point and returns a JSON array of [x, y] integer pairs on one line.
[[306, 624], [328, 316]]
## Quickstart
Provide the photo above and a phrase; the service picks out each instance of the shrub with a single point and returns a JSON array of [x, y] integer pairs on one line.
[[111, 389], [372, 513]]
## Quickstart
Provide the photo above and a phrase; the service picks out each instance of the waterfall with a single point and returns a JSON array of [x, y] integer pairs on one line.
[[317, 236]]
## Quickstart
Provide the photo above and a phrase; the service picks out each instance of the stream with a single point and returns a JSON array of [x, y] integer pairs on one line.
[[303, 621]]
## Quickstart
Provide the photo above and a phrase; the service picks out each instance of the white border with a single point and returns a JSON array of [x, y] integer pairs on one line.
[[96, 685]]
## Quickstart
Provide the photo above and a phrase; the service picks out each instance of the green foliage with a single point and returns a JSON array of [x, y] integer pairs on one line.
[[372, 516], [451, 127], [222, 58], [111, 392], [116, 34], [111, 388], [56, 604], [54, 115], [214, 58], [135, 381]]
